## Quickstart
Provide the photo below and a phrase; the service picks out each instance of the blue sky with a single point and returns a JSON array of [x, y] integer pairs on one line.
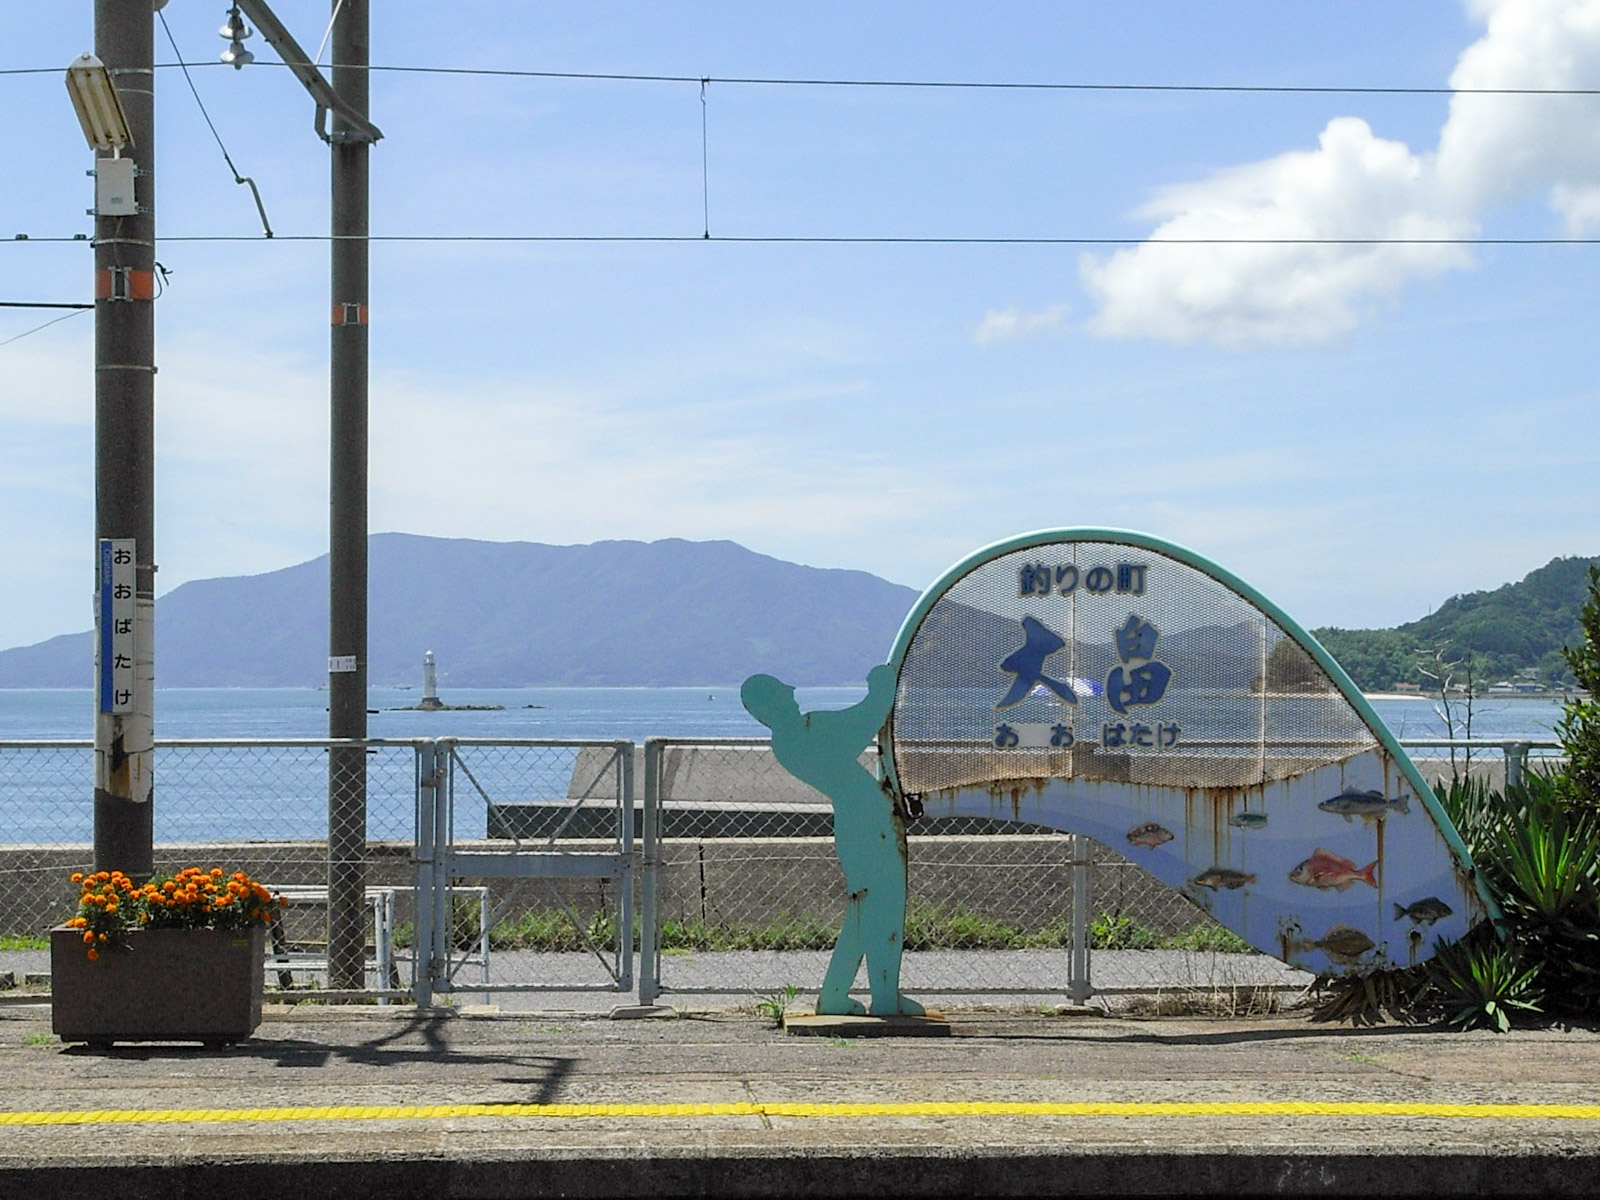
[[1359, 431]]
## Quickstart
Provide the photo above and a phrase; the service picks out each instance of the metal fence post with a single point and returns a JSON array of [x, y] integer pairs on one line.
[[1079, 987], [1516, 761], [649, 933], [625, 884], [422, 880], [443, 822]]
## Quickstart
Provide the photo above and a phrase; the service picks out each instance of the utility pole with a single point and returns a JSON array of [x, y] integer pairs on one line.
[[347, 534], [346, 99], [124, 452]]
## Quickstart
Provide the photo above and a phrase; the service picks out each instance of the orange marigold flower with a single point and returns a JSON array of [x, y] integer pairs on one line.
[[77, 877], [93, 954]]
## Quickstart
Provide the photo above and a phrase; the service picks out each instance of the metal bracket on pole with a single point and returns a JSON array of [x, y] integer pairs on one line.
[[298, 61]]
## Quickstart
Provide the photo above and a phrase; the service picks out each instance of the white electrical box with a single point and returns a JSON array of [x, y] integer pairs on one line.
[[113, 188]]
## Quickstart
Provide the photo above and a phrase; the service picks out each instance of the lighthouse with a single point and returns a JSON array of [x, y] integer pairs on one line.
[[430, 682]]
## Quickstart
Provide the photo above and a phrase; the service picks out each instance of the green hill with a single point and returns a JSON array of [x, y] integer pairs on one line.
[[1519, 627]]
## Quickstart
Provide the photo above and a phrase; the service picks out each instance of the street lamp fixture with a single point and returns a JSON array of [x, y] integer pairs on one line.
[[94, 99]]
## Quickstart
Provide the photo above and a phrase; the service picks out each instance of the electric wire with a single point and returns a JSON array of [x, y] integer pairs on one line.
[[951, 84], [266, 226], [47, 324], [843, 240], [316, 59], [704, 82]]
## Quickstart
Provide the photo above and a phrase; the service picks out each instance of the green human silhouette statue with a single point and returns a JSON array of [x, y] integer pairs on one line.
[[823, 749]]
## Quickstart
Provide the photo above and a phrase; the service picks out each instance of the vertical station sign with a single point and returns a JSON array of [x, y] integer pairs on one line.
[[114, 643]]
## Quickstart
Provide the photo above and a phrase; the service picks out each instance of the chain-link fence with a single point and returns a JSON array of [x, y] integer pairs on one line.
[[46, 832], [524, 854], [262, 807], [531, 856], [746, 896]]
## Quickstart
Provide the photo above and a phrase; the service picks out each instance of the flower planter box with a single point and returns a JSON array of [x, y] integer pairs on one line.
[[166, 985]]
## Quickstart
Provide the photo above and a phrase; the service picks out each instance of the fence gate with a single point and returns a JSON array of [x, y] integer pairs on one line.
[[524, 853]]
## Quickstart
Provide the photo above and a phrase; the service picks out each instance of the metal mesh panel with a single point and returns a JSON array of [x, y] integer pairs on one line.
[[258, 807], [745, 865], [46, 832], [1038, 664], [749, 907], [538, 802]]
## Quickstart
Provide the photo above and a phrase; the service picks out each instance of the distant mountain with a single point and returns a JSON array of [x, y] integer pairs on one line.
[[512, 614], [1518, 627]]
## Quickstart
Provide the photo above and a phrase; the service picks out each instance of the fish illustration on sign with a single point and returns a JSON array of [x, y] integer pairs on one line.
[[1353, 802], [1343, 943], [1325, 869], [1221, 877], [1248, 820], [1424, 912], [1149, 835]]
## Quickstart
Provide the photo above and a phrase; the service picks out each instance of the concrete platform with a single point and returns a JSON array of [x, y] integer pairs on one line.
[[393, 1102]]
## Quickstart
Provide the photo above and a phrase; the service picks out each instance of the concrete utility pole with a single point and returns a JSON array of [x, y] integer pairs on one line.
[[124, 450], [351, 136], [347, 534]]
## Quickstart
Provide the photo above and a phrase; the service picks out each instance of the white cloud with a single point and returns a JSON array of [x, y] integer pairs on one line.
[[1012, 324], [1355, 185]]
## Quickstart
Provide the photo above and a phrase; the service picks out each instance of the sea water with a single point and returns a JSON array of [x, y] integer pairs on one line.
[[45, 796], [629, 713]]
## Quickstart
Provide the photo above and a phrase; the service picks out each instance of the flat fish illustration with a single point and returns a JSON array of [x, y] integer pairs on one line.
[[1353, 802], [1249, 820], [1343, 944], [1222, 877], [1149, 834], [1325, 869], [1424, 912]]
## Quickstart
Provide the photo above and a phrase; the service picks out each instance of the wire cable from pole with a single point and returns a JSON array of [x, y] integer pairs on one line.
[[46, 325], [705, 163], [245, 180]]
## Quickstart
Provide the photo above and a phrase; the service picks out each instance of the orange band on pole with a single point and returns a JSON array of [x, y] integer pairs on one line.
[[349, 314], [141, 285]]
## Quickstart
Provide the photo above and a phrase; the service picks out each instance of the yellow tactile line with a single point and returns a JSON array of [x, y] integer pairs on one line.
[[423, 1112]]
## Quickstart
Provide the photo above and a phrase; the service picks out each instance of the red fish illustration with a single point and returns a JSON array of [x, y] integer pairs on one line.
[[1325, 869]]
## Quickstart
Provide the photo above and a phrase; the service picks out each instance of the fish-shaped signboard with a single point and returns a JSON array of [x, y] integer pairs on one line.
[[1220, 747]]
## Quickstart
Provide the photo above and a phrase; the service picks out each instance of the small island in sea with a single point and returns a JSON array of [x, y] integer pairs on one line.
[[430, 694]]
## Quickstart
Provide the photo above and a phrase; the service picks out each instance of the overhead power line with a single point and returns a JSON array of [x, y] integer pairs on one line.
[[245, 180], [47, 324], [849, 240], [953, 84]]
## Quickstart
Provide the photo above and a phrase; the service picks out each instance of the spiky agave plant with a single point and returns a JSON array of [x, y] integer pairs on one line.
[[1482, 982], [1540, 856]]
